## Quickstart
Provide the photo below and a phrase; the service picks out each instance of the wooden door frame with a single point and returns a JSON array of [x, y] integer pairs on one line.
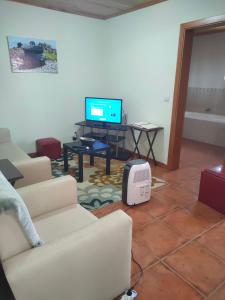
[[181, 83]]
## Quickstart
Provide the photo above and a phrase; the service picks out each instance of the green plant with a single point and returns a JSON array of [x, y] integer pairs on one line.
[[50, 55]]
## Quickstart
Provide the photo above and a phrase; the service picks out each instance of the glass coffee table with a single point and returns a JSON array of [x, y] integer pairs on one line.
[[98, 149]]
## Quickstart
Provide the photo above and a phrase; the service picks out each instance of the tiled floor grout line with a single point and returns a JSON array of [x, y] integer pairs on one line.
[[173, 271], [191, 240], [184, 279], [176, 182], [166, 214], [216, 289], [158, 218], [210, 251], [162, 259], [146, 268], [185, 243], [148, 265]]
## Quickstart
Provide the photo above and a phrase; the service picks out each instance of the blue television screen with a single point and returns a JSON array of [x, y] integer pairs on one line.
[[103, 110]]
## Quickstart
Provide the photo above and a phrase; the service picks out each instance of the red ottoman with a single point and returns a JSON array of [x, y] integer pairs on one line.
[[212, 188], [50, 147]]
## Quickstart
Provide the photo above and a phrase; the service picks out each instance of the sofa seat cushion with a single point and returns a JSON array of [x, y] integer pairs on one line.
[[12, 152], [58, 224]]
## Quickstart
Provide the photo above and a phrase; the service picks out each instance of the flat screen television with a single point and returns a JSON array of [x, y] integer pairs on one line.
[[105, 110]]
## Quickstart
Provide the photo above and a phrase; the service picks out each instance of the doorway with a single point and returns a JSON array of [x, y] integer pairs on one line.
[[187, 31], [203, 142]]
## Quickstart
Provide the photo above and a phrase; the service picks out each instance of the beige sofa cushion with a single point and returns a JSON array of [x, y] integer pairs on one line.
[[12, 152], [60, 223], [51, 226], [50, 195], [12, 238], [92, 263], [12, 203], [34, 170]]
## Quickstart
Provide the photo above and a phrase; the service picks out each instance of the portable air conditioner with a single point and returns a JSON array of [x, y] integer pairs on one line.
[[137, 181]]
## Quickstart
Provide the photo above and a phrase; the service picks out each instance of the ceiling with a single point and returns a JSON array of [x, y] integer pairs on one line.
[[100, 9]]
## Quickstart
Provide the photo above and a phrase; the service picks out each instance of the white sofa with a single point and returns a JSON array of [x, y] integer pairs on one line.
[[33, 169], [83, 258]]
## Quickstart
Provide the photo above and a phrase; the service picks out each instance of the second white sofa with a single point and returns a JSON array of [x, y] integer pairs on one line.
[[33, 169]]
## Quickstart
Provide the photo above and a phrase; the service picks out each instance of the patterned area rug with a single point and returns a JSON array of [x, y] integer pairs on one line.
[[97, 189]]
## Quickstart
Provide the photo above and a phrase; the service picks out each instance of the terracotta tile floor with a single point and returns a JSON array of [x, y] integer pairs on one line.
[[179, 242]]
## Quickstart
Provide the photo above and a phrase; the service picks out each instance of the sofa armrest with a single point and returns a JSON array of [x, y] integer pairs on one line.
[[34, 170], [49, 195], [93, 263], [5, 136]]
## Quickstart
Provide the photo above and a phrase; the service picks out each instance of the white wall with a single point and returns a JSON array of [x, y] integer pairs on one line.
[[208, 61], [35, 105], [131, 56], [143, 53]]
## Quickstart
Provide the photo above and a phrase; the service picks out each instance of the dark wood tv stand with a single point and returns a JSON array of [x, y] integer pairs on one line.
[[106, 135]]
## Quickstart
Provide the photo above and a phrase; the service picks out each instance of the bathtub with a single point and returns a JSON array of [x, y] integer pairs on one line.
[[204, 127]]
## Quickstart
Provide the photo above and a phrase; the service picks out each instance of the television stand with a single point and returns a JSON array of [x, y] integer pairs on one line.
[[105, 135]]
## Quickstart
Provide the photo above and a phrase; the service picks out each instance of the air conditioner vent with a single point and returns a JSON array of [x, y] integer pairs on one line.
[[141, 176]]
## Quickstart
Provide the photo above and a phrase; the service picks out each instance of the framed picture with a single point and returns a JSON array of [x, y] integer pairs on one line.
[[32, 55]]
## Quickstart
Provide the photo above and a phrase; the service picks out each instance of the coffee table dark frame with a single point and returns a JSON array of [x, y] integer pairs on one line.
[[10, 172], [81, 152]]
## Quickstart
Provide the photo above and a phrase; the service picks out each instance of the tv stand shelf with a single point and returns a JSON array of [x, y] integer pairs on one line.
[[106, 136], [106, 126], [110, 138]]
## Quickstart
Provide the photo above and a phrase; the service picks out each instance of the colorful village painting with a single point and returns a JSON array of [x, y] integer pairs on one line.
[[32, 55]]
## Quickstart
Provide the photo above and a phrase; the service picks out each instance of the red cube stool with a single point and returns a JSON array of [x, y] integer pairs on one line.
[[50, 147], [212, 188]]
